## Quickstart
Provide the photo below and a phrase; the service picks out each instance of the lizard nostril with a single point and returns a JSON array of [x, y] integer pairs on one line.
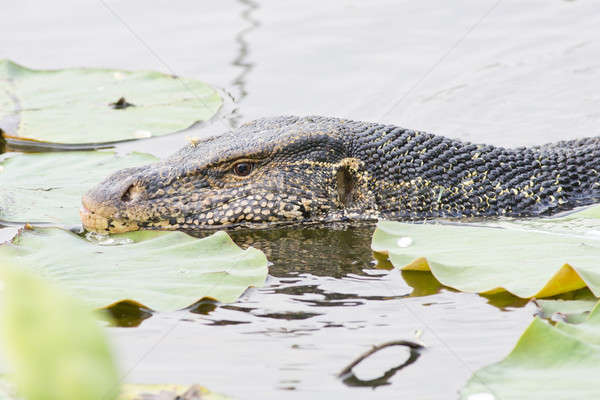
[[131, 194]]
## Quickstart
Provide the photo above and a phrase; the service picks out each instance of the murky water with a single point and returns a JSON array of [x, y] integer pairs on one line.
[[502, 72]]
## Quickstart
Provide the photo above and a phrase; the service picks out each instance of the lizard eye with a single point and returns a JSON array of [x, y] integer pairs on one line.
[[243, 168]]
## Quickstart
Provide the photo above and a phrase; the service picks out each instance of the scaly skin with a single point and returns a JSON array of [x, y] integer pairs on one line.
[[317, 169]]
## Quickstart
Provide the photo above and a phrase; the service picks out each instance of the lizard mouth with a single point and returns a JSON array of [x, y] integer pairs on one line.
[[94, 221]]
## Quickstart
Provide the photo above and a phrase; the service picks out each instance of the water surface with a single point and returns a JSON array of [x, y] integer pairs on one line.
[[502, 72]]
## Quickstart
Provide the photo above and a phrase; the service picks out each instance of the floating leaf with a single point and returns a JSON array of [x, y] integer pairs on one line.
[[7, 234], [548, 362], [91, 105], [168, 392], [572, 311], [591, 212], [53, 343], [47, 187], [490, 260], [6, 390], [131, 391], [162, 270]]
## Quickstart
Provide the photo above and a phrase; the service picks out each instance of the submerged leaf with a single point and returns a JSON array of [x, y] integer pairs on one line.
[[91, 105], [53, 343], [163, 271], [47, 187], [490, 260], [548, 362]]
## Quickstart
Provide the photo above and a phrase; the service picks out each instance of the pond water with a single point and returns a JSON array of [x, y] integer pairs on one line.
[[501, 72]]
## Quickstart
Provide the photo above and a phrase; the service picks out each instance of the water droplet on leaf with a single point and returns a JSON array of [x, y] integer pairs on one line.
[[404, 242], [142, 134], [481, 396]]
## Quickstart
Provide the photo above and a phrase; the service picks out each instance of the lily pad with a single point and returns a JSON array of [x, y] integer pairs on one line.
[[548, 362], [135, 391], [163, 271], [572, 311], [92, 105], [491, 260], [47, 187], [53, 343], [7, 234], [168, 392], [591, 212], [7, 391]]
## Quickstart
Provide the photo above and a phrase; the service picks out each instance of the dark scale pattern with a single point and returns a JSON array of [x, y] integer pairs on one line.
[[430, 176], [317, 169]]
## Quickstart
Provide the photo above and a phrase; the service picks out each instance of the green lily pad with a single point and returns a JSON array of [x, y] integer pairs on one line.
[[83, 105], [491, 260], [7, 391], [53, 343], [47, 187], [163, 271], [591, 212], [136, 391], [572, 311], [548, 362], [7, 234], [168, 392]]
